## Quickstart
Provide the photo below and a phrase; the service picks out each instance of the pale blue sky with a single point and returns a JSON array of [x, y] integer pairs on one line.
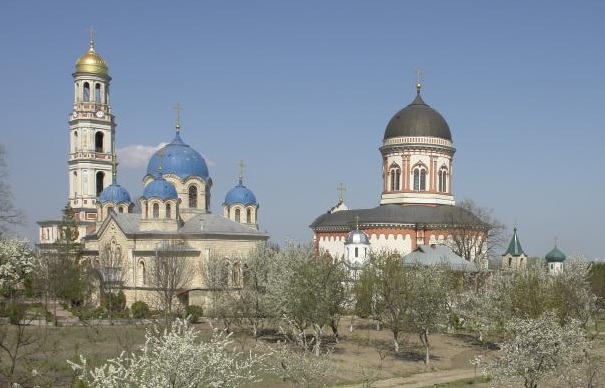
[[302, 91]]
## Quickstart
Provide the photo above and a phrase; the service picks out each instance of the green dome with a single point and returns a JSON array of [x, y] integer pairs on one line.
[[555, 256]]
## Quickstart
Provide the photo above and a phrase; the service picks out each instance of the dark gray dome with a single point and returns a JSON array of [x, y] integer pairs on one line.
[[418, 119]]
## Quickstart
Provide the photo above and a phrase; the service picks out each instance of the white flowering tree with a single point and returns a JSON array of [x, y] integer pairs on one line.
[[538, 349], [16, 262], [177, 358]]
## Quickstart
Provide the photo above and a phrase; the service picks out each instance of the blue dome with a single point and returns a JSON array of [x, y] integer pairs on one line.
[[160, 188], [179, 159], [114, 193], [240, 194]]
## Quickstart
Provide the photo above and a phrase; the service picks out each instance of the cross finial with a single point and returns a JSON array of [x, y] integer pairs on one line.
[[91, 32], [357, 222], [556, 240], [241, 171], [341, 189], [178, 108], [114, 167], [418, 80]]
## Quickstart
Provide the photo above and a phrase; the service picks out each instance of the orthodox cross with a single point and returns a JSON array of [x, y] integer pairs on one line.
[[241, 170], [357, 222], [418, 79], [341, 189], [178, 108], [91, 32]]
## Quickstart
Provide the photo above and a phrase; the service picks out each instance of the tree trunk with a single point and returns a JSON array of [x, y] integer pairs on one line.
[[424, 338], [334, 326], [396, 340]]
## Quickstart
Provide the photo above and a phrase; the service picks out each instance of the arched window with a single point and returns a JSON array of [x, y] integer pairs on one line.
[[99, 142], [142, 272], [76, 145], [419, 179], [109, 209], [75, 183], [100, 177], [443, 180], [422, 179], [168, 211], [237, 215], [97, 93], [121, 209], [146, 211], [356, 252], [86, 92], [156, 210], [395, 179], [193, 196], [249, 216]]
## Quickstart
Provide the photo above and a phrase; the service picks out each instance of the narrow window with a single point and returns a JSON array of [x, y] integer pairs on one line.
[[75, 184], [109, 209], [97, 93], [121, 209], [440, 185], [168, 211], [397, 179], [156, 210], [237, 215], [193, 197], [99, 180], [146, 211], [416, 179], [142, 272], [99, 142], [249, 216], [392, 180], [86, 92], [422, 179], [356, 252], [76, 145], [510, 262]]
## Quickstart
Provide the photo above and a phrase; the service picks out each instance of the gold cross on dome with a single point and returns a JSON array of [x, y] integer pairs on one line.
[[178, 108], [341, 188]]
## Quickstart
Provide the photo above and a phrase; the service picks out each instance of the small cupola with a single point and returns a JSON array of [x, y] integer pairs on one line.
[[240, 203]]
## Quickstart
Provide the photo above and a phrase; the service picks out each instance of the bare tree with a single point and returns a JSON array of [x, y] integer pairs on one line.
[[9, 215], [475, 233], [111, 273], [170, 273], [382, 292]]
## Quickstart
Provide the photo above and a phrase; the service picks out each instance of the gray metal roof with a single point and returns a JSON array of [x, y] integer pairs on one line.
[[438, 254], [208, 225], [418, 119], [397, 215]]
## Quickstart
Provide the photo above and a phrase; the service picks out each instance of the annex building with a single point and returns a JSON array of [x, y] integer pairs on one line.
[[175, 205], [417, 205]]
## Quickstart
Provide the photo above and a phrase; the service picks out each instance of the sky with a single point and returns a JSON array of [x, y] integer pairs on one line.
[[302, 92]]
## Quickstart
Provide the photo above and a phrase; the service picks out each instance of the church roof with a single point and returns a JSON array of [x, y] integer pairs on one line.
[[91, 62], [514, 247], [397, 215], [160, 188], [114, 193], [418, 119], [555, 256], [179, 159], [200, 226], [438, 254]]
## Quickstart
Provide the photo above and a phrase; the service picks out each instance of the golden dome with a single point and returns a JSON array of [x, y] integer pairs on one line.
[[91, 62]]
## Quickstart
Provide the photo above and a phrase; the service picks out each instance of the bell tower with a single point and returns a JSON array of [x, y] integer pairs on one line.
[[91, 134]]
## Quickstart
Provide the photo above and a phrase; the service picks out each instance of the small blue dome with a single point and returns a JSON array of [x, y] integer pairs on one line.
[[179, 159], [160, 188], [240, 194], [114, 193]]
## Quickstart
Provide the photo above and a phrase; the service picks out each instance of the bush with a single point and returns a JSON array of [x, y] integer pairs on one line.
[[194, 312], [16, 313], [140, 310], [114, 302]]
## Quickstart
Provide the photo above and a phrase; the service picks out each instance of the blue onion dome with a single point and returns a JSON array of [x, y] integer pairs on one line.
[[555, 256], [114, 193], [357, 237], [160, 188], [240, 194], [418, 119], [179, 159]]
